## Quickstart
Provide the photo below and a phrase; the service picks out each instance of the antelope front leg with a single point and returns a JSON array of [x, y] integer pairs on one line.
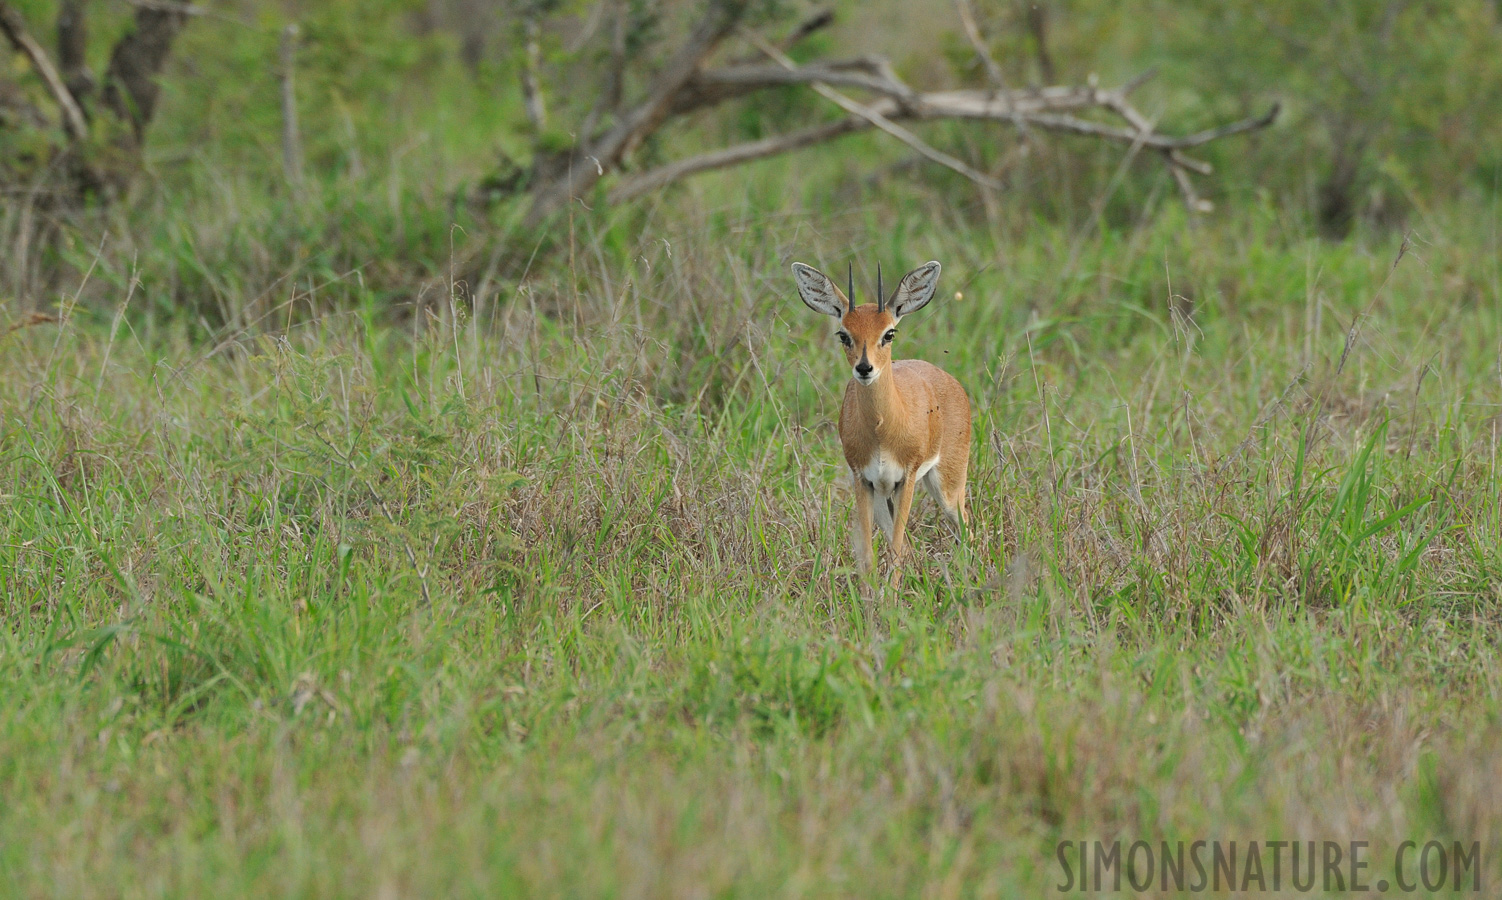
[[860, 527], [899, 524]]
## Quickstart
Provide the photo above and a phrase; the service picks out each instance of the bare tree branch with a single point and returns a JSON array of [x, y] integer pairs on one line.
[[816, 22], [645, 183], [1155, 141], [1137, 81], [998, 79], [715, 86], [941, 105], [583, 168], [636, 125], [881, 121], [811, 25], [683, 86], [1177, 161], [74, 123], [972, 31]]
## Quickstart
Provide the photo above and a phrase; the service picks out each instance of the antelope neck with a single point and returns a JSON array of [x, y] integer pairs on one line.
[[882, 403]]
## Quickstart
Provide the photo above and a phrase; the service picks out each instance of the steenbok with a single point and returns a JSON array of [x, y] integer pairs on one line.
[[902, 422]]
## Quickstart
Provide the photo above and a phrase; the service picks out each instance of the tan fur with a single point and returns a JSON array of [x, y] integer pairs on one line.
[[912, 412]]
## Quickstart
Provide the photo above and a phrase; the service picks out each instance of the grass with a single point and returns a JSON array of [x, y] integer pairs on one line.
[[555, 595]]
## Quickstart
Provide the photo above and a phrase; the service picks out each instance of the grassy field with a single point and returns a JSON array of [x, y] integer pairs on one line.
[[356, 541], [554, 595]]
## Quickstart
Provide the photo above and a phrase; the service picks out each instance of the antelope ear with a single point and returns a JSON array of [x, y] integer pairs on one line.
[[818, 292], [915, 290]]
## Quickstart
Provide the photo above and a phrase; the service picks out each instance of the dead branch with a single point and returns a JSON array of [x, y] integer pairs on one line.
[[879, 120], [1045, 110], [586, 165], [1156, 141], [1177, 161], [993, 69], [720, 85], [685, 85], [817, 22], [637, 185], [972, 32], [74, 123]]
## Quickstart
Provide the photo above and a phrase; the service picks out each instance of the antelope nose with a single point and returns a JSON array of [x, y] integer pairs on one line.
[[863, 368]]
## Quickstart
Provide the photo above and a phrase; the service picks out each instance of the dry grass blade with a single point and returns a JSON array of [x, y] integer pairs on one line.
[[31, 321], [1354, 330]]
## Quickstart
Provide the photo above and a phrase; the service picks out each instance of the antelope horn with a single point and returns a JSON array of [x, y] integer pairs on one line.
[[850, 286], [881, 298]]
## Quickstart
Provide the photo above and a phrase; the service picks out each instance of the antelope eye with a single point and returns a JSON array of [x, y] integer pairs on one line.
[[844, 338], [889, 336]]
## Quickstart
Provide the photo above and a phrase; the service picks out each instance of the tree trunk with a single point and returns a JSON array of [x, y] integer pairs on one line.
[[77, 166], [73, 49], [1336, 212], [130, 88]]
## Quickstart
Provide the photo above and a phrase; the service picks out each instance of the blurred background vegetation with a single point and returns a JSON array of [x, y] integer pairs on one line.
[[411, 114], [359, 537]]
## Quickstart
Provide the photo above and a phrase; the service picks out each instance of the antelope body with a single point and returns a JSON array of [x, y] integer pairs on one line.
[[902, 421]]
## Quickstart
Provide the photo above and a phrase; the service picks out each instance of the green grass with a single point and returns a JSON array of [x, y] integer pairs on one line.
[[360, 543], [558, 598]]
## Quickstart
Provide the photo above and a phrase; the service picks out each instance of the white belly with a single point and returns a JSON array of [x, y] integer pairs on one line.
[[884, 474]]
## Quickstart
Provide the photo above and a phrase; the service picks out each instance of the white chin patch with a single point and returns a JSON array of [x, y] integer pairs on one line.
[[869, 379]]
